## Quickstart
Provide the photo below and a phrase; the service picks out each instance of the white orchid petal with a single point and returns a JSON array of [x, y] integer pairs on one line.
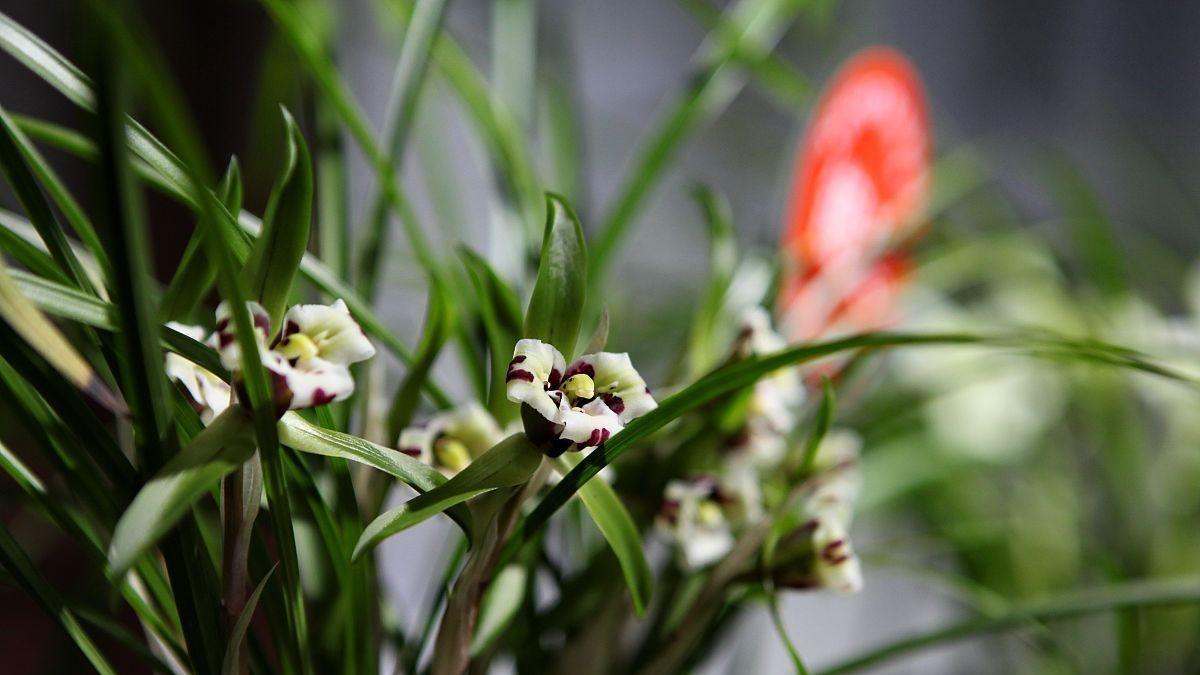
[[617, 382], [417, 442], [836, 565], [471, 424], [313, 383], [694, 522], [590, 425], [533, 375], [336, 335], [227, 344], [208, 393]]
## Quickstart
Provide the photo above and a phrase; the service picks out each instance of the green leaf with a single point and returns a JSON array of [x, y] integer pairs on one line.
[[222, 447], [823, 421], [26, 574], [556, 306], [501, 315], [56, 188], [43, 336], [510, 462], [722, 260], [315, 58], [439, 320], [284, 238], [237, 633], [194, 277], [407, 85], [296, 432], [1144, 593], [736, 376], [619, 531], [16, 168], [757, 25], [781, 629], [499, 607]]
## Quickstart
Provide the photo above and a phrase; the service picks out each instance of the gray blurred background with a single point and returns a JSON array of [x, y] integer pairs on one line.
[[1112, 85]]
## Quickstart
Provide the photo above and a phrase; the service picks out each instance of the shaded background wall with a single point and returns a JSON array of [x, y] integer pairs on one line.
[[1112, 85]]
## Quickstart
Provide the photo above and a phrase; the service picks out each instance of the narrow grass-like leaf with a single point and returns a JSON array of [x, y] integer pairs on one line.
[[411, 68], [26, 574], [194, 277], [722, 260], [510, 462], [229, 665], [1148, 593], [502, 319], [744, 373], [188, 476], [175, 185], [126, 35], [24, 184], [781, 629], [823, 421], [499, 607], [284, 237], [556, 305], [439, 321], [43, 336], [313, 55], [58, 191], [513, 170], [759, 26], [790, 88], [31, 257], [68, 303], [298, 433], [619, 531]]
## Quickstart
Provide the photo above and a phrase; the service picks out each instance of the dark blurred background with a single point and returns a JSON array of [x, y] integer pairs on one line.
[[1109, 85]]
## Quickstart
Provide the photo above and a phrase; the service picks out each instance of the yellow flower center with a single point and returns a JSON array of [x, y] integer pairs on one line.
[[452, 454], [580, 386], [708, 513], [299, 346]]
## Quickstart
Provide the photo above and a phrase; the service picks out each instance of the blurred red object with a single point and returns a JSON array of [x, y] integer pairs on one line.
[[859, 186]]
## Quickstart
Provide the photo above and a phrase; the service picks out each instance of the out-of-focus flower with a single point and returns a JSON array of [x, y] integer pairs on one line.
[[701, 515], [208, 394], [452, 439], [771, 412], [835, 566], [818, 554], [584, 404], [838, 476], [309, 361]]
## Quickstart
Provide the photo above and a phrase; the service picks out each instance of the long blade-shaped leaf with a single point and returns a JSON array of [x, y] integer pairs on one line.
[[191, 474], [297, 432], [619, 531], [23, 571], [407, 83], [229, 666], [43, 336], [1152, 593], [284, 238], [510, 462], [744, 373], [761, 23], [556, 306]]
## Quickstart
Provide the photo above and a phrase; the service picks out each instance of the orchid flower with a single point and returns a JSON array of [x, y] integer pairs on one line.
[[700, 515], [309, 361], [772, 411], [208, 394], [450, 440], [585, 403]]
